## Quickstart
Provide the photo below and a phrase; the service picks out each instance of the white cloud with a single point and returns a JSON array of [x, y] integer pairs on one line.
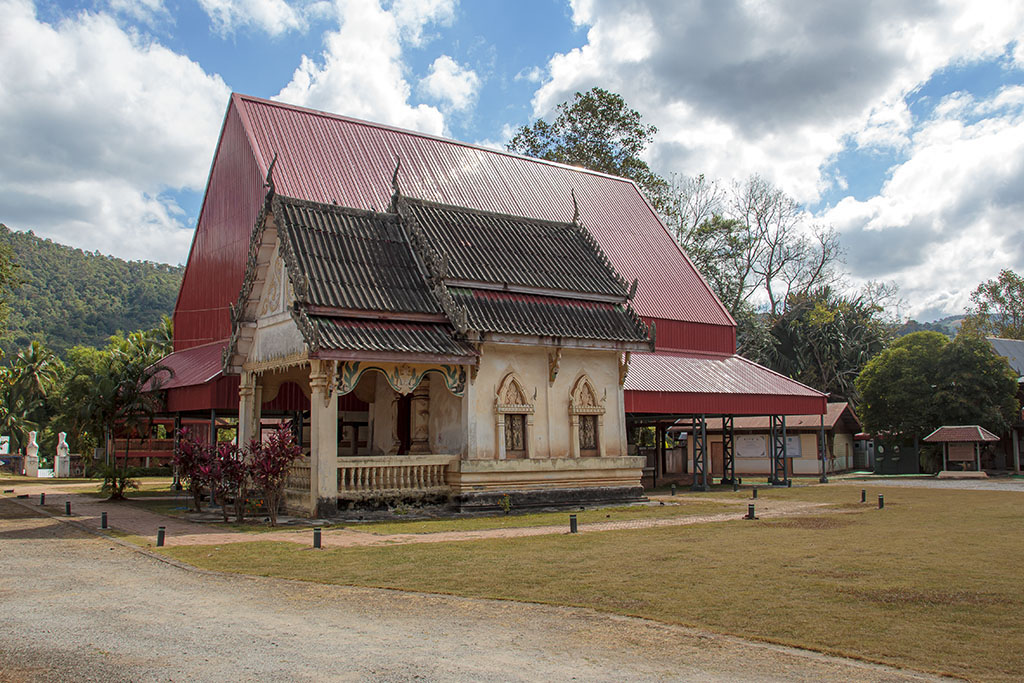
[[777, 89], [97, 125], [948, 217], [413, 16], [531, 75], [361, 73], [271, 16], [449, 81], [144, 11]]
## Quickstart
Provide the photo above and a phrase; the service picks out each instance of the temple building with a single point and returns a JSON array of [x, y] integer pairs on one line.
[[446, 322]]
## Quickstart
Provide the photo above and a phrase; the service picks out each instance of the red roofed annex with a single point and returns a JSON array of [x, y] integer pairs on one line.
[[447, 321]]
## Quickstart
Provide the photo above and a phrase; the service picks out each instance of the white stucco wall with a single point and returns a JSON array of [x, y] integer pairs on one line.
[[550, 436]]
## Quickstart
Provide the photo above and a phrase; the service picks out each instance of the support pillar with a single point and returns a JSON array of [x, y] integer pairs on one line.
[[977, 457], [728, 451], [419, 417], [778, 454], [945, 456], [213, 427], [323, 452], [246, 407], [823, 452], [700, 455], [1016, 450], [659, 465]]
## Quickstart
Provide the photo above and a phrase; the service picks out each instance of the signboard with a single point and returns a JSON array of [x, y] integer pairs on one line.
[[961, 452], [5, 445], [748, 446], [756, 446]]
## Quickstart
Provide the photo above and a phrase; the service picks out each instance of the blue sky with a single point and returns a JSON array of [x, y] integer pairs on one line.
[[899, 124]]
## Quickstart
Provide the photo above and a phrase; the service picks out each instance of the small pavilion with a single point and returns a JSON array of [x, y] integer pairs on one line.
[[961, 444]]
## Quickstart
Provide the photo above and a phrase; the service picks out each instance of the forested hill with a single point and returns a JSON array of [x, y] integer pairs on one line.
[[69, 296]]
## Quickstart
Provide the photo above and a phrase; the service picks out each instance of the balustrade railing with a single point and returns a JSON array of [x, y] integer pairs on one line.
[[387, 474]]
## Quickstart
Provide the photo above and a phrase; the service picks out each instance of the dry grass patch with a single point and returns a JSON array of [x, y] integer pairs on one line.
[[930, 582]]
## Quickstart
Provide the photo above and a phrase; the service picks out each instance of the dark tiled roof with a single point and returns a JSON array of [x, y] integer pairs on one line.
[[374, 335], [487, 247], [352, 259], [548, 316]]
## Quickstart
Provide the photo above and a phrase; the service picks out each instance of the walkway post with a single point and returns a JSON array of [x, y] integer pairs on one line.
[[823, 451]]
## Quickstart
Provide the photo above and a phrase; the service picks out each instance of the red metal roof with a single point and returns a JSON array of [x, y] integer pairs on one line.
[[960, 434], [834, 414], [193, 366], [713, 384], [328, 158]]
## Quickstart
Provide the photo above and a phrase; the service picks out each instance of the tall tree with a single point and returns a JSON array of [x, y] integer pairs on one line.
[[997, 307], [599, 131], [25, 388], [924, 381]]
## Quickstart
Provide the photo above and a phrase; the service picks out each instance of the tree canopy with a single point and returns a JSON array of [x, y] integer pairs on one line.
[[599, 131], [997, 307], [924, 381]]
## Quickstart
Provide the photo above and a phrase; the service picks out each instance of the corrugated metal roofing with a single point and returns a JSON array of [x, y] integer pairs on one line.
[[495, 248], [193, 366], [709, 374], [327, 158], [1010, 349], [547, 316], [834, 413], [353, 259], [960, 434], [365, 335]]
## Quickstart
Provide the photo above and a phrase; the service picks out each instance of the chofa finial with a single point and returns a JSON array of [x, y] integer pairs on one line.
[[575, 207], [269, 182]]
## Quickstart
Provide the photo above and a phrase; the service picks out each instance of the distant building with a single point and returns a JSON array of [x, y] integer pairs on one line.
[[1007, 454]]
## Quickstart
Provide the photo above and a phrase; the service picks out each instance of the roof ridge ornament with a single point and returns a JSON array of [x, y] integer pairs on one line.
[[395, 192], [269, 182]]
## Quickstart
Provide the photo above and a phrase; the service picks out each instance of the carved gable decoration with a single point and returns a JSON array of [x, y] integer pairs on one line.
[[272, 298], [583, 398], [511, 398]]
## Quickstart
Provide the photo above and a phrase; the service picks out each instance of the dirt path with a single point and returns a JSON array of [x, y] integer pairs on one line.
[[133, 520], [78, 607]]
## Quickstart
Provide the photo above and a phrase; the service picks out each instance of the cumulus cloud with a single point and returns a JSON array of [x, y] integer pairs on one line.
[[413, 16], [271, 16], [457, 85], [948, 217], [773, 88], [144, 11], [361, 73], [98, 126]]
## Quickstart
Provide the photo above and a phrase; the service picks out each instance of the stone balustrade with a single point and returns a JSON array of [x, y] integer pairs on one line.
[[393, 474]]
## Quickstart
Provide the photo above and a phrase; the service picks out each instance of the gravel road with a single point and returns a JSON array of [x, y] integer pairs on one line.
[[78, 607]]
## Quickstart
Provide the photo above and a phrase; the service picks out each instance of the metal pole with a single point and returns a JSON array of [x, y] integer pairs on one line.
[[67, 508], [754, 495], [1016, 451], [572, 524], [823, 449], [103, 520], [316, 537], [881, 501], [863, 495], [42, 499], [750, 512], [160, 533]]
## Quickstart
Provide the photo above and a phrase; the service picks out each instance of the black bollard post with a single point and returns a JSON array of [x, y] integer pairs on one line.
[[750, 511], [160, 533], [103, 520], [735, 486], [42, 499], [67, 508], [572, 524], [881, 501], [316, 537], [789, 483], [755, 493], [673, 489], [863, 496]]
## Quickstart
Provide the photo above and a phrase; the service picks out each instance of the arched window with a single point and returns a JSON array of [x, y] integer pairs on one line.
[[586, 416], [514, 419]]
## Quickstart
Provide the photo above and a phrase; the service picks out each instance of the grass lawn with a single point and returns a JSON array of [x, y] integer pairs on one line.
[[681, 506], [930, 582]]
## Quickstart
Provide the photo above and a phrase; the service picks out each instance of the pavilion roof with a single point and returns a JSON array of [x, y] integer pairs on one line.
[[960, 434]]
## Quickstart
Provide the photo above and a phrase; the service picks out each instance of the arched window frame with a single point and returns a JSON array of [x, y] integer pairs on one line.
[[511, 400], [583, 401]]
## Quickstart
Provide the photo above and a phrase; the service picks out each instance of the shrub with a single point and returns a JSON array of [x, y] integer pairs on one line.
[[269, 463], [194, 463], [117, 480], [230, 475]]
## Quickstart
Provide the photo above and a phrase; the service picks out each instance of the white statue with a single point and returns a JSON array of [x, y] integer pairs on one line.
[[32, 456], [32, 449], [62, 464]]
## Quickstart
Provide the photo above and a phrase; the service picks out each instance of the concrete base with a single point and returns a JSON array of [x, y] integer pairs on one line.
[[959, 474], [492, 500]]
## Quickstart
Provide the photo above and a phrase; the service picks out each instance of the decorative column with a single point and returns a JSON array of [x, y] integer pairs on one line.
[[323, 453], [246, 407], [419, 416]]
